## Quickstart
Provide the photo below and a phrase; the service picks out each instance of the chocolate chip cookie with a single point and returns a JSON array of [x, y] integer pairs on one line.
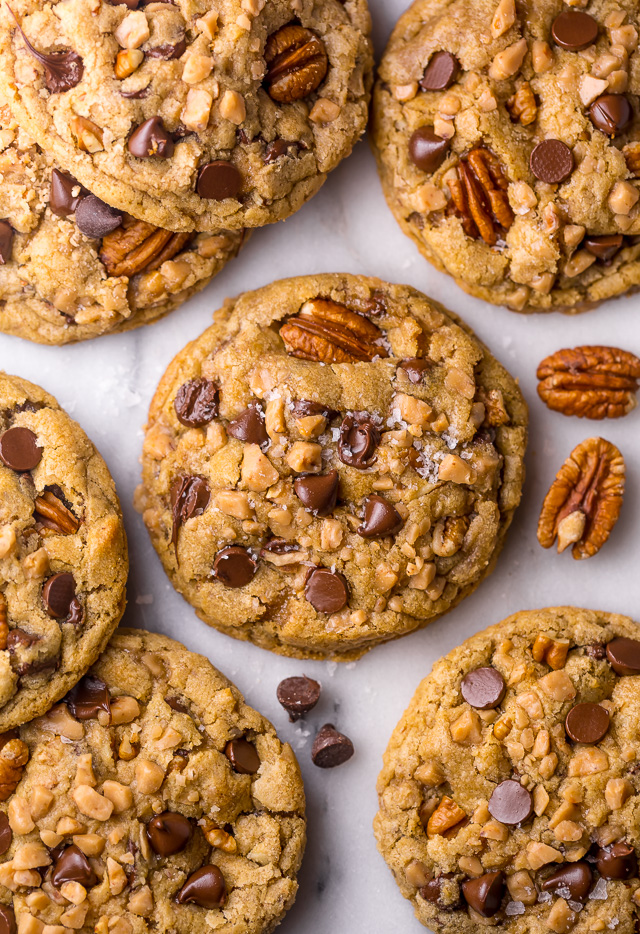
[[511, 785], [72, 267], [508, 143], [151, 799], [63, 552], [191, 115], [334, 463]]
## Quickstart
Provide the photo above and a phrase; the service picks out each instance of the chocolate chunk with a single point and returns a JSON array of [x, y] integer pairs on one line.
[[279, 546], [359, 438], [611, 113], [596, 650], [6, 242], [318, 492], [168, 833], [19, 639], [19, 449], [243, 756], [176, 703], [380, 518], [617, 861], [587, 723], [219, 180], [205, 887], [96, 218], [151, 139], [89, 696], [605, 247], [427, 150], [576, 877], [7, 920], [510, 803], [131, 4], [62, 69], [234, 566], [196, 402], [278, 148], [441, 72], [298, 695], [330, 747], [624, 656], [62, 201], [71, 865], [551, 161], [483, 688], [574, 30], [137, 95], [326, 590], [58, 593], [76, 613], [189, 497], [484, 894], [432, 892], [167, 50], [415, 368], [302, 408], [6, 834], [249, 426]]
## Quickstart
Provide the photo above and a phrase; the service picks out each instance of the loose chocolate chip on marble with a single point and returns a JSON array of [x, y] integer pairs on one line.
[[604, 247], [167, 50], [6, 834], [298, 695], [6, 242], [587, 723], [484, 894], [380, 518], [19, 449], [62, 69], [427, 150], [204, 887], [301, 408], [577, 878], [243, 756], [624, 656], [189, 497], [7, 920], [168, 833], [326, 590], [249, 426], [96, 218], [219, 180], [611, 113], [58, 593], [617, 861], [62, 200], [89, 696], [551, 161], [574, 30], [234, 566], [330, 747], [71, 865], [483, 688], [510, 803], [318, 492], [359, 438], [278, 148], [151, 139], [441, 72], [415, 368], [196, 402]]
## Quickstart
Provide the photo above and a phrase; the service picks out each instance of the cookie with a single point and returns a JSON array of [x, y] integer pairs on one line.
[[63, 552], [508, 145], [152, 799], [334, 463], [73, 268], [510, 788], [191, 115]]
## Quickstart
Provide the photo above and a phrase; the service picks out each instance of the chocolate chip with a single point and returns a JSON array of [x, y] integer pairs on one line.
[[131, 4], [574, 30], [587, 723], [234, 566], [76, 613], [415, 368], [6, 242], [176, 703], [168, 833], [196, 402], [510, 803], [71, 865], [205, 887], [302, 408], [219, 180], [151, 139], [551, 161], [278, 148], [89, 696], [326, 590], [617, 861], [167, 50], [58, 593], [624, 656], [7, 920], [6, 834], [596, 650], [243, 756], [577, 878], [427, 150], [484, 894], [483, 688], [318, 492], [298, 695], [96, 218], [19, 449], [189, 497], [441, 72], [380, 518], [19, 639], [62, 201], [433, 892], [605, 247], [330, 747], [279, 546], [249, 426], [137, 95], [359, 438], [611, 113], [62, 69]]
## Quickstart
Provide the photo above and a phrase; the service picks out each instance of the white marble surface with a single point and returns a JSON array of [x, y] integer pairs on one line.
[[107, 385]]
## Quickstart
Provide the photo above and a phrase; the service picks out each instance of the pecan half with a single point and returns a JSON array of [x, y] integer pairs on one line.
[[328, 332], [590, 382], [52, 513], [296, 63], [14, 755], [522, 105], [136, 246], [478, 190], [585, 499], [631, 153], [4, 624]]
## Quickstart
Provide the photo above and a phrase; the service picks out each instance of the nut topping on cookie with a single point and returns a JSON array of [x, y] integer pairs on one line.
[[551, 161], [483, 688], [574, 30], [296, 63], [136, 246], [19, 449], [441, 72], [590, 382], [427, 150], [478, 190], [328, 332]]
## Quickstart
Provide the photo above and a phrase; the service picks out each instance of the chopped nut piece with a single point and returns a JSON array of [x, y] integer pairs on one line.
[[14, 755], [430, 774], [447, 815], [522, 105], [127, 61], [552, 651]]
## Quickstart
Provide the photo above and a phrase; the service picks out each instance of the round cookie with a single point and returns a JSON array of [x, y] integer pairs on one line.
[[63, 552], [192, 115], [510, 788], [508, 145], [59, 285], [334, 463], [152, 799]]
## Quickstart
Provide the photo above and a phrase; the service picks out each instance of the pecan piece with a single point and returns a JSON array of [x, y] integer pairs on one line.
[[445, 817], [296, 63], [590, 382], [52, 513], [478, 189], [136, 246], [495, 410], [585, 499], [522, 105], [328, 332], [14, 755], [4, 624], [631, 153]]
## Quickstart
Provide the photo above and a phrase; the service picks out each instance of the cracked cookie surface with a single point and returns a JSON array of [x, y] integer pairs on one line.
[[63, 552], [153, 798], [508, 144], [334, 463]]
